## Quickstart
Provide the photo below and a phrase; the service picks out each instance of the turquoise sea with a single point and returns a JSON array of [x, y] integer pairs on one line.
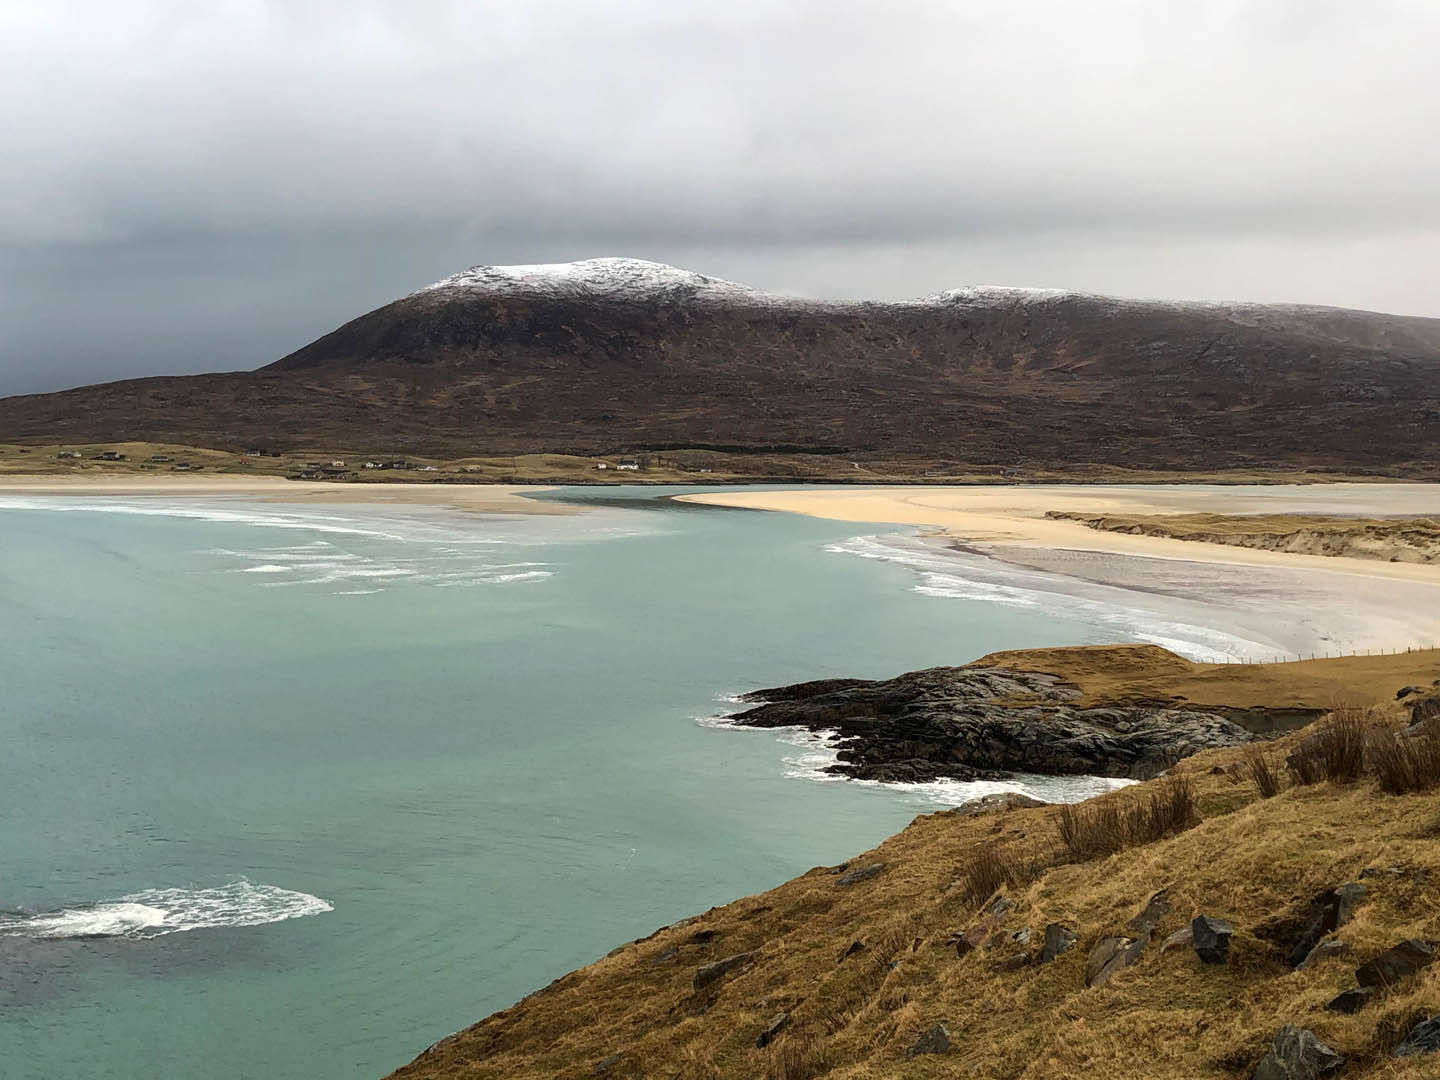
[[296, 791]]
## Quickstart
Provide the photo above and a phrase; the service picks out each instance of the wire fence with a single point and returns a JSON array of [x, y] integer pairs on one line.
[[1333, 654]]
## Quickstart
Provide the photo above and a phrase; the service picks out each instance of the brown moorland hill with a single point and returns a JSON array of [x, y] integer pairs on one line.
[[621, 355], [847, 972]]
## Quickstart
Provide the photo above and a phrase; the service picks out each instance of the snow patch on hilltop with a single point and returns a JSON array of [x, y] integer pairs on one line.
[[611, 279]]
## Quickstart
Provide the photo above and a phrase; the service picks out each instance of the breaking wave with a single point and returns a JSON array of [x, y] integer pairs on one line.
[[156, 912], [960, 575], [811, 753]]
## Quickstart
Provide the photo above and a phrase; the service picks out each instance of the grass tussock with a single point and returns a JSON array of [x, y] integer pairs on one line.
[[1259, 770], [799, 1057], [1109, 826], [1405, 764], [985, 873], [1336, 751]]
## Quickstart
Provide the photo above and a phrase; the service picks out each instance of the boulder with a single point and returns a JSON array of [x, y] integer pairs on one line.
[[855, 947], [1424, 1038], [1347, 898], [1351, 1001], [1321, 951], [1406, 691], [865, 873], [777, 1024], [1016, 962], [1297, 1054], [604, 1065], [934, 1041], [1110, 955], [1211, 938], [1396, 963], [709, 973], [1058, 941], [971, 939]]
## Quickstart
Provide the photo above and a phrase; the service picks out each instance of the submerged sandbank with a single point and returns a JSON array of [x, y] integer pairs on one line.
[[480, 498]]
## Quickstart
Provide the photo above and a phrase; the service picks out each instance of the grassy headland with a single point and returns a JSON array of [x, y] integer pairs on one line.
[[846, 972]]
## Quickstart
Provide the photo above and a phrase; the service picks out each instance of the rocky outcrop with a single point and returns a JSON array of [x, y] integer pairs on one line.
[[982, 723]]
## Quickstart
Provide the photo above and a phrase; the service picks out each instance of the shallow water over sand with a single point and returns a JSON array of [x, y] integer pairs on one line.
[[297, 791]]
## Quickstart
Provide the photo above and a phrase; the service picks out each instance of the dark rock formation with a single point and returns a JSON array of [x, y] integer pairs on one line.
[[1155, 909], [974, 723], [1424, 1038], [1211, 938], [1351, 1001], [1297, 1054], [1396, 963], [1329, 911], [709, 973], [934, 1041], [1058, 941]]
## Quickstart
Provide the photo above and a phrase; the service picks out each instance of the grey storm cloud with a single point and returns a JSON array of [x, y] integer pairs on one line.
[[188, 186]]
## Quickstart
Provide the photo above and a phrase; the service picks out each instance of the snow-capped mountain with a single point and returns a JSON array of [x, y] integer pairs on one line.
[[606, 355]]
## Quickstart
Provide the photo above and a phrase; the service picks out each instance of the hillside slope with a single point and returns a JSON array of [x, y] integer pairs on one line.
[[846, 972], [613, 355]]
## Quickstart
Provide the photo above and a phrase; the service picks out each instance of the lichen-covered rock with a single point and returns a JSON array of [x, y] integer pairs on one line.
[[1424, 1038], [1297, 1054], [1110, 955], [934, 1041], [865, 873], [1059, 940], [777, 1024]]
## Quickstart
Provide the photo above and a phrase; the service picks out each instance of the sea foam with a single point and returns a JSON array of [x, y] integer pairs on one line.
[[155, 912]]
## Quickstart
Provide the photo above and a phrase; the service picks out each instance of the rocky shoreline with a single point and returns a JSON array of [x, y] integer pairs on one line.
[[989, 723]]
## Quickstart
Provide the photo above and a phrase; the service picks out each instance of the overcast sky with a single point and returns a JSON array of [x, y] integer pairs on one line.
[[194, 186]]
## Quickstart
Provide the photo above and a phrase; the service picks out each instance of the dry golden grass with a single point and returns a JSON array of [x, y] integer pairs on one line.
[[1415, 539], [853, 1012]]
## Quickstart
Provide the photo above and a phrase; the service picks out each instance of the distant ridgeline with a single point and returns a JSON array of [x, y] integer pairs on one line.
[[616, 355]]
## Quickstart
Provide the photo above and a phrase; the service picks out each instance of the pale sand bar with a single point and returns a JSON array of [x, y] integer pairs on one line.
[[479, 498]]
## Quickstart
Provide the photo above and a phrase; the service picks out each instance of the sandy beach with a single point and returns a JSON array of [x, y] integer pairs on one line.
[[1015, 516], [478, 498], [1232, 600]]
